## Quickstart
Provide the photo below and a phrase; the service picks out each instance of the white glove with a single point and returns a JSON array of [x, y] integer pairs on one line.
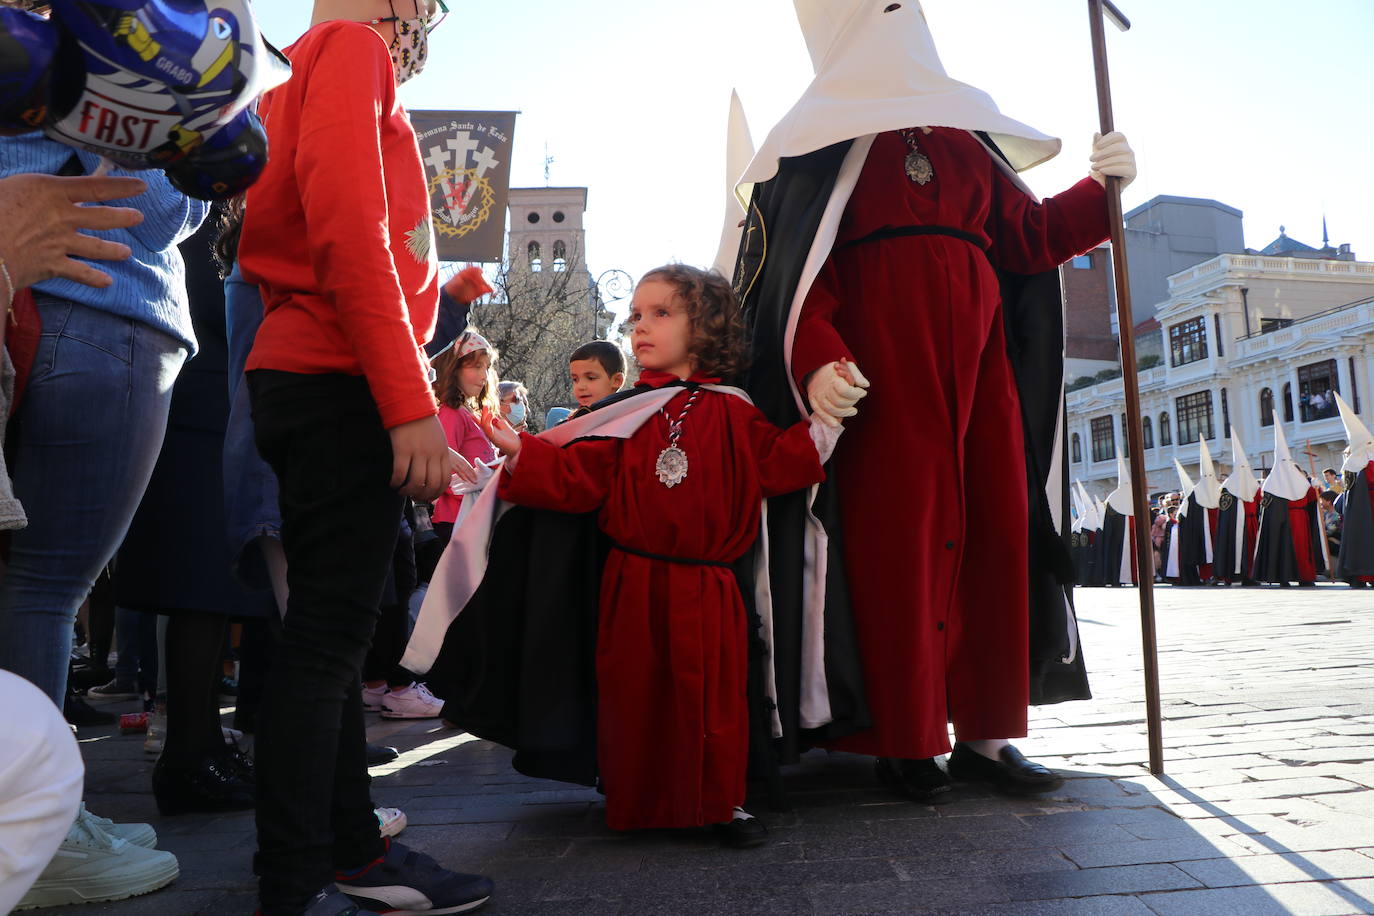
[[834, 389], [1112, 156]]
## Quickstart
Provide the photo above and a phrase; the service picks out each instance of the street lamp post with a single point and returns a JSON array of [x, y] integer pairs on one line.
[[610, 287]]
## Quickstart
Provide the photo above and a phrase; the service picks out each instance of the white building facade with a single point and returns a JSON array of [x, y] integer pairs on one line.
[[1243, 335]]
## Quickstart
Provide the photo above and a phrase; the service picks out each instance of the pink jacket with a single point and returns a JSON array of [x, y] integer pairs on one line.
[[467, 439]]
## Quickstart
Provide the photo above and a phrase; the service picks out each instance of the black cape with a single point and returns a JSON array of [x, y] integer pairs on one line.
[[1357, 528], [784, 216], [1116, 540], [1225, 563], [1275, 556], [1192, 543]]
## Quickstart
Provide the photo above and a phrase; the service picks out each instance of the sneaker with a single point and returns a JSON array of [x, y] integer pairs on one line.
[[408, 882], [372, 698], [115, 689], [333, 902], [134, 834], [413, 702], [392, 820], [92, 865]]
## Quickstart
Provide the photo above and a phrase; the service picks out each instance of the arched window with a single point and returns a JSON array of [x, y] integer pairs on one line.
[[1077, 449], [560, 256], [1149, 433], [536, 259], [1165, 436], [1288, 402], [1267, 407]]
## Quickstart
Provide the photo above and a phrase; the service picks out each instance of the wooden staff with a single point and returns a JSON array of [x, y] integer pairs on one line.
[[1130, 384]]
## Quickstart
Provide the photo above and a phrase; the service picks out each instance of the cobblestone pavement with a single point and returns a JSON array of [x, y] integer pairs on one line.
[[1267, 805]]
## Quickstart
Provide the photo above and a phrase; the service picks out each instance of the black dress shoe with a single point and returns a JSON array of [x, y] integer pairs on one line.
[[378, 754], [742, 833], [82, 714], [1010, 774], [919, 780], [209, 786]]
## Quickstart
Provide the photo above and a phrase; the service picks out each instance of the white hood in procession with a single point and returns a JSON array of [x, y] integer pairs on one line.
[[1361, 441], [877, 70], [1241, 483], [1208, 488], [1286, 480], [1120, 499], [739, 149]]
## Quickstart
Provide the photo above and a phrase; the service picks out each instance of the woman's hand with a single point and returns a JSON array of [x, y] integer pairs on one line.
[[41, 223]]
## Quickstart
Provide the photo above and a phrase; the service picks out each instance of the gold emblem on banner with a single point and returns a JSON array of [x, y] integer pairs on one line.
[[486, 201]]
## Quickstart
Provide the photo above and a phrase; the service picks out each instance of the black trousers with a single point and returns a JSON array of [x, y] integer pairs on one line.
[[324, 438]]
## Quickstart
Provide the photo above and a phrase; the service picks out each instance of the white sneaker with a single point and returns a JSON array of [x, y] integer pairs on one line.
[[92, 865], [372, 698], [134, 834], [391, 820], [413, 702]]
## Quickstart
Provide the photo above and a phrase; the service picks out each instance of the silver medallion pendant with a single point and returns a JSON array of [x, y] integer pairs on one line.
[[918, 167], [671, 467]]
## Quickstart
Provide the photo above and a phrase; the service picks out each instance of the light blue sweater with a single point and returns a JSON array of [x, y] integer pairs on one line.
[[149, 287]]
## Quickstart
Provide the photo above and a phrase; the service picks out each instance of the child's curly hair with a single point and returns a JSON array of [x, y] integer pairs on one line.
[[448, 386], [718, 345]]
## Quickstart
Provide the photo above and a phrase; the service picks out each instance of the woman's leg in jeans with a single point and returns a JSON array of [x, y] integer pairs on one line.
[[324, 439], [89, 432]]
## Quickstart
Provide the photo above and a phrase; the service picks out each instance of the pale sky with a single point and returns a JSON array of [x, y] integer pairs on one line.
[[1264, 105]]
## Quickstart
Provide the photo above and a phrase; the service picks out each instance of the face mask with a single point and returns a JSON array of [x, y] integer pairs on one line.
[[410, 48], [517, 414]]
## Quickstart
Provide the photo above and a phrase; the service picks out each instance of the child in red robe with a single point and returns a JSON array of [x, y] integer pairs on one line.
[[681, 500]]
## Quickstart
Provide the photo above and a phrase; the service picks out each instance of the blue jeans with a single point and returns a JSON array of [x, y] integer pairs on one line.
[[251, 508], [88, 431]]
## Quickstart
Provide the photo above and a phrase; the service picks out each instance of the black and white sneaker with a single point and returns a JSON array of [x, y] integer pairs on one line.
[[408, 882], [333, 902]]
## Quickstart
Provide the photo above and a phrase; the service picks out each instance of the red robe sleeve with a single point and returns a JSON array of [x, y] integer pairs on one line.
[[573, 479], [817, 342], [787, 459], [1031, 238]]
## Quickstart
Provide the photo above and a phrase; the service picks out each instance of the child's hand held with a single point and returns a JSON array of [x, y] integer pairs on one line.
[[506, 439]]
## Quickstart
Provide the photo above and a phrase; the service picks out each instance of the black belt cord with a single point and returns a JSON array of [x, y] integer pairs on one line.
[[666, 559], [896, 232]]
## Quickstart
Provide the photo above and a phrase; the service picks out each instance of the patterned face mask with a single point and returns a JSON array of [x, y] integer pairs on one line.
[[410, 48]]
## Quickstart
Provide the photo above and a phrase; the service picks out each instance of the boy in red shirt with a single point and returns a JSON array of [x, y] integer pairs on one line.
[[337, 235]]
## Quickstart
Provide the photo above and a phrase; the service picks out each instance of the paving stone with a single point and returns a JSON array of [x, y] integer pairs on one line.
[[1082, 906], [1146, 852], [1275, 869], [1310, 899]]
